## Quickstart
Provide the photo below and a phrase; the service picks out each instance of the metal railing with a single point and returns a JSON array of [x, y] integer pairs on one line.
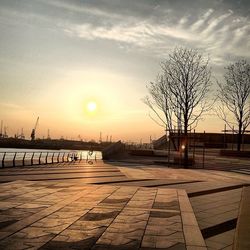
[[29, 158]]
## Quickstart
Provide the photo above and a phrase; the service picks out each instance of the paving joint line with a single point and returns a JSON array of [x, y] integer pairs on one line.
[[76, 178], [50, 172], [174, 183], [144, 231], [123, 181]]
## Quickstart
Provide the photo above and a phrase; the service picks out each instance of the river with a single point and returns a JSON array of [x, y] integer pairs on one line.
[[21, 155]]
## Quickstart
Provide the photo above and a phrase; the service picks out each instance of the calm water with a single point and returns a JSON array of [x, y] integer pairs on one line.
[[42, 153]]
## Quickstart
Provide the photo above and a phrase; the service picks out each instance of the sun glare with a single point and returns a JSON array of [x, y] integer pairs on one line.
[[91, 106]]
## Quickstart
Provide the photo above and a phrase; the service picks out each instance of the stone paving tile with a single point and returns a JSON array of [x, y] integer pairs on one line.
[[220, 218], [162, 242], [20, 213], [57, 222], [216, 208], [196, 248], [79, 216], [74, 239], [168, 231], [45, 212], [4, 205], [6, 221], [32, 206], [95, 218], [28, 238], [173, 221], [130, 215], [227, 238]]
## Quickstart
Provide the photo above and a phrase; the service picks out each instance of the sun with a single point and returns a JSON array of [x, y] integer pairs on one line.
[[91, 106]]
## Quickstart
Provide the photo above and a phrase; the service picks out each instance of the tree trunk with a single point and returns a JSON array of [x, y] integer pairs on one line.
[[185, 144], [239, 137]]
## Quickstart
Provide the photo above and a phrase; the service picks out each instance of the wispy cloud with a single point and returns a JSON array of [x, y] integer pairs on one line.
[[215, 33], [142, 34], [202, 20], [221, 33]]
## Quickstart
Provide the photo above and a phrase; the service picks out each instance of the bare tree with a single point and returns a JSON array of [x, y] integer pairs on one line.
[[179, 96], [234, 97]]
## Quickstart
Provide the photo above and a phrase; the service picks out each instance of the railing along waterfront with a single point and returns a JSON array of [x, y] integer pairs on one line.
[[30, 158]]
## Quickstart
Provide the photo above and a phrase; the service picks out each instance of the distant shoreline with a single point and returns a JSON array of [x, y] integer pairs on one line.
[[50, 144]]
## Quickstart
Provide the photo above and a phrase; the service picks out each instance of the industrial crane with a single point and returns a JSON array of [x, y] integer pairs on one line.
[[33, 132]]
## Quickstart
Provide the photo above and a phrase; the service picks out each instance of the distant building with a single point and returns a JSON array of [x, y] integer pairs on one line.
[[211, 140]]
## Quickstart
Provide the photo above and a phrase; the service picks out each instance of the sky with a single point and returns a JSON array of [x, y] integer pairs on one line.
[[57, 56]]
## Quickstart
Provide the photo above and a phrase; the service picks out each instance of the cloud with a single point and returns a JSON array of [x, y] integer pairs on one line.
[[214, 22], [142, 34], [152, 28], [220, 35], [201, 21]]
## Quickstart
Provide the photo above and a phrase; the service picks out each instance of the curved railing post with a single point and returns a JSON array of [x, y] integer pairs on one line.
[[68, 157], [32, 158], [58, 157], [53, 158], [39, 159], [14, 160], [24, 158], [46, 158], [63, 157], [81, 156], [3, 159]]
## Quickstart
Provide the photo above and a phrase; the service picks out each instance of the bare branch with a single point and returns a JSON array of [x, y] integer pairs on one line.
[[181, 90], [234, 95]]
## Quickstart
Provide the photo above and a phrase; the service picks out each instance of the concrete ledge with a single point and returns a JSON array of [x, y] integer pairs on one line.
[[233, 153], [142, 152], [193, 237], [242, 239]]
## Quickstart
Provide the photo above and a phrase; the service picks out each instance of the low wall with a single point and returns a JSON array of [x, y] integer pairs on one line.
[[113, 150]]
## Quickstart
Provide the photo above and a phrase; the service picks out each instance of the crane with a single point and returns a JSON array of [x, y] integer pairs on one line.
[[33, 132]]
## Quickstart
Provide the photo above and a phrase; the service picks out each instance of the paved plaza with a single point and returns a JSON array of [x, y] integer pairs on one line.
[[118, 206]]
